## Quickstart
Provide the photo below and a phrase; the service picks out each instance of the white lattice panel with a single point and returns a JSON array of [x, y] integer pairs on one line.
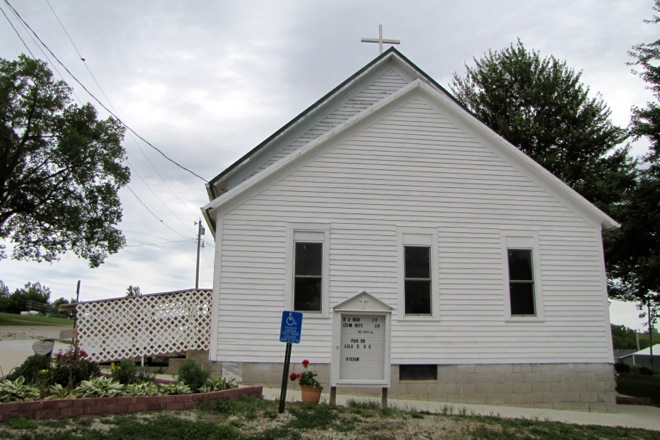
[[150, 325]]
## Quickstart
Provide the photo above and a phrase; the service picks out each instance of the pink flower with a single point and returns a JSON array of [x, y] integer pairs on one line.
[[305, 363], [83, 353]]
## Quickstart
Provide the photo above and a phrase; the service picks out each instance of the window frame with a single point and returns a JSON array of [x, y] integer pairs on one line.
[[308, 233], [529, 243], [418, 237]]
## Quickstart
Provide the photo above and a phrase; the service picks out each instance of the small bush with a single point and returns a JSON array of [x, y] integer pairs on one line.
[[192, 375], [218, 384], [100, 387], [17, 390], [142, 389], [30, 368], [175, 388], [125, 372], [622, 368]]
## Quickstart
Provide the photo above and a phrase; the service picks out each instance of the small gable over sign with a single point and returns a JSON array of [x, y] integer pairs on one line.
[[363, 302]]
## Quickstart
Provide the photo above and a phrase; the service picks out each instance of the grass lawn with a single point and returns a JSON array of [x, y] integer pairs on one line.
[[12, 319], [638, 385], [254, 418]]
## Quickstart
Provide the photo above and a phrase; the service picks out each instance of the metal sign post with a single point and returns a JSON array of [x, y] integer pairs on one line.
[[290, 333]]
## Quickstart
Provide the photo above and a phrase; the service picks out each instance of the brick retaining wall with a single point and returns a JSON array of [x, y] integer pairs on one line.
[[53, 409]]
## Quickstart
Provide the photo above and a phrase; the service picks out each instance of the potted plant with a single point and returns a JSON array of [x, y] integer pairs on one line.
[[310, 388]]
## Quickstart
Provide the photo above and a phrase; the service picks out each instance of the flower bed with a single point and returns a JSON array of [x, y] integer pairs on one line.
[[52, 409]]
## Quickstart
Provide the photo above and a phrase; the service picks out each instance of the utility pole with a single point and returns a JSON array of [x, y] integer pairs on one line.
[[200, 244]]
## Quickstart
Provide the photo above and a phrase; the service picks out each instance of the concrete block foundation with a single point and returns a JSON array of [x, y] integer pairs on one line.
[[587, 387]]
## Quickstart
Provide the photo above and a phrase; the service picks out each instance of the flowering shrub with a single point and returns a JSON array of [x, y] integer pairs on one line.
[[71, 368], [307, 377]]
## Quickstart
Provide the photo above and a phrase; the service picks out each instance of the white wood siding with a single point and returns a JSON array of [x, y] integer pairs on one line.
[[415, 166]]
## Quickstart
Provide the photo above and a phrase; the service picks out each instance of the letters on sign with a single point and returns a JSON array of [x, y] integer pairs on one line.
[[362, 347]]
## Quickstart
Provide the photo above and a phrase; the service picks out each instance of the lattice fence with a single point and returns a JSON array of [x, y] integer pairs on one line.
[[149, 325]]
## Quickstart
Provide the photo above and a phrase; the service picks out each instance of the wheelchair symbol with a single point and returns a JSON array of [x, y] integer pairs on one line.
[[290, 320]]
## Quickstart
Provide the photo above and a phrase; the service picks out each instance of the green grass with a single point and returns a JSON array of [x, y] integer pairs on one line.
[[253, 418], [638, 385], [12, 319]]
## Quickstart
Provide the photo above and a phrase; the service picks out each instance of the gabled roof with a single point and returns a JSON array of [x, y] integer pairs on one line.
[[362, 302], [647, 351], [390, 55], [420, 83]]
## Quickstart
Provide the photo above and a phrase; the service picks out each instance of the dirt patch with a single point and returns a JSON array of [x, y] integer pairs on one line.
[[25, 332]]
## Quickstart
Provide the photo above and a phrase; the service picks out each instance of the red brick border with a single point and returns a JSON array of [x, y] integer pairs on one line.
[[53, 409]]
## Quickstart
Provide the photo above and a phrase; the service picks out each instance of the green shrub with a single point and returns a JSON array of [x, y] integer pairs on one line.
[[17, 390], [218, 384], [99, 387], [125, 372], [192, 375], [175, 388], [57, 391], [30, 368], [142, 389]]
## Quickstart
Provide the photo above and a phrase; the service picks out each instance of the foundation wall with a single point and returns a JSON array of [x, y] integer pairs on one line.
[[587, 387]]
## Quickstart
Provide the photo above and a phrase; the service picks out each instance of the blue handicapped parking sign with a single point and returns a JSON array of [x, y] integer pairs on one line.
[[291, 327]]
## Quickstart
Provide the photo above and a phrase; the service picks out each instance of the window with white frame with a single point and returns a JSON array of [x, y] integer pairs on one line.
[[309, 271], [523, 277], [417, 268]]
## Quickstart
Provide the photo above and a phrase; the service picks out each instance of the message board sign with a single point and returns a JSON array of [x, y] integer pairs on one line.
[[362, 347]]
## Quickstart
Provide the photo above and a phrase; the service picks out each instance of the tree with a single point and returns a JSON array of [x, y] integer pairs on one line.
[[4, 290], [18, 301], [60, 169], [623, 337], [540, 106], [635, 265], [56, 306]]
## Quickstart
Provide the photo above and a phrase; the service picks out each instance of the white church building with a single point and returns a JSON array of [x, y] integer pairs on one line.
[[488, 269]]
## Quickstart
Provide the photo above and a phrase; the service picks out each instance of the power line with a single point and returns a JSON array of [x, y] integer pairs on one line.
[[17, 33], [154, 215], [115, 110], [158, 244], [36, 44], [101, 103]]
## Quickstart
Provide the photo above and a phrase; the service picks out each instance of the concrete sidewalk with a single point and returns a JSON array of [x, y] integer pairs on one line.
[[631, 416]]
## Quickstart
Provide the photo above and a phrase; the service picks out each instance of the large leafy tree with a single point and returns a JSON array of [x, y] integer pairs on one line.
[[60, 169], [635, 266], [540, 106]]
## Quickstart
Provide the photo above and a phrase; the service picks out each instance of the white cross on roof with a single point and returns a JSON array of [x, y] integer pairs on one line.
[[380, 40]]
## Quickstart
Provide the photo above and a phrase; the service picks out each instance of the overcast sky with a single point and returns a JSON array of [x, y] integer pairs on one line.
[[206, 81]]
